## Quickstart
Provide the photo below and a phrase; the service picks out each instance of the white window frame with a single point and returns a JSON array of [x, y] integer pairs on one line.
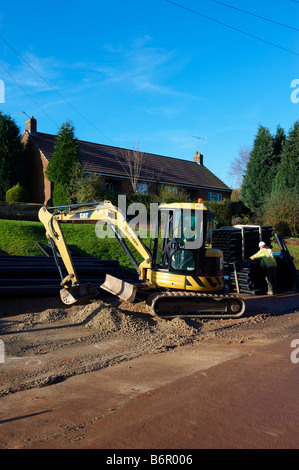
[[213, 196]]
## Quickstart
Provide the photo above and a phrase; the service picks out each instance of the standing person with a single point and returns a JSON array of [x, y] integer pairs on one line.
[[268, 263]]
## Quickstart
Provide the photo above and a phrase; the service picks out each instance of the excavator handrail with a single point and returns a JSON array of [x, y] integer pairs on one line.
[[83, 204]]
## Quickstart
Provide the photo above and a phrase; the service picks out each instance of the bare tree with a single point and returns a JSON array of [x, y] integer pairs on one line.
[[136, 168], [239, 165]]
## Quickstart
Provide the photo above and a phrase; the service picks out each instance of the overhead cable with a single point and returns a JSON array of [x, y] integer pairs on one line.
[[233, 28], [257, 16], [26, 93], [51, 86]]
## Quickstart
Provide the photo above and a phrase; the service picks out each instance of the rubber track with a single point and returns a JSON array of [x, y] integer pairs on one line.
[[153, 300]]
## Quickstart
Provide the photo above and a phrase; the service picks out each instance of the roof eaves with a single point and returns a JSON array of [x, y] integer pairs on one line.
[[158, 181]]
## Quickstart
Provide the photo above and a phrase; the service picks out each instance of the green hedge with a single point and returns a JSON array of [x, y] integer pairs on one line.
[[222, 212], [17, 194]]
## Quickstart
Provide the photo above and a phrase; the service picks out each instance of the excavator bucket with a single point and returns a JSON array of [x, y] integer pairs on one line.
[[77, 294], [123, 290]]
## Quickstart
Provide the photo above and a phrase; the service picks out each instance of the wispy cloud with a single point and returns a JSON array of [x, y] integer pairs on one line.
[[34, 73], [138, 66], [133, 68]]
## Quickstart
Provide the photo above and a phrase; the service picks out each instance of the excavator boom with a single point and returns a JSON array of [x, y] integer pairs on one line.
[[72, 290]]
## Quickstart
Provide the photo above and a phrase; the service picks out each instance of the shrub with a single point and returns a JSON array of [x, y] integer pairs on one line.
[[222, 212], [17, 194], [91, 189], [12, 157], [168, 196], [281, 210]]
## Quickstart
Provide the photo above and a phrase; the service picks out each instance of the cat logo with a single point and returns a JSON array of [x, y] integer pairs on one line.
[[84, 215]]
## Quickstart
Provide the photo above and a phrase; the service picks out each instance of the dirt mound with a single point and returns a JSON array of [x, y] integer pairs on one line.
[[131, 323], [46, 345]]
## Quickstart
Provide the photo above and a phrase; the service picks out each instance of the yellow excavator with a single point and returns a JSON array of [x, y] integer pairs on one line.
[[180, 275]]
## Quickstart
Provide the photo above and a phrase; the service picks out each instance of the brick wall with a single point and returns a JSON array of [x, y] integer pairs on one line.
[[123, 186], [204, 193], [39, 186]]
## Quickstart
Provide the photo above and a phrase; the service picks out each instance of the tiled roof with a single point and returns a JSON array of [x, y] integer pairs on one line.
[[108, 160]]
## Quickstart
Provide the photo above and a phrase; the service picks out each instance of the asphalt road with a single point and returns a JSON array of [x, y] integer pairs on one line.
[[215, 395]]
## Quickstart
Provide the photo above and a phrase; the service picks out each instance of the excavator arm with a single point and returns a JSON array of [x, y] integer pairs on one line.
[[104, 212]]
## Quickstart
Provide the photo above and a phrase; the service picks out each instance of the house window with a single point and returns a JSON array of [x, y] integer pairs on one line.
[[173, 190], [110, 187], [142, 188], [215, 197]]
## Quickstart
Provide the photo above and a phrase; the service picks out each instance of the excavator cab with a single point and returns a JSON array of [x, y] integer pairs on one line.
[[183, 241], [179, 241]]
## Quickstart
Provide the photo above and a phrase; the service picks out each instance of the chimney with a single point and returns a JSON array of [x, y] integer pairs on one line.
[[31, 125], [198, 158]]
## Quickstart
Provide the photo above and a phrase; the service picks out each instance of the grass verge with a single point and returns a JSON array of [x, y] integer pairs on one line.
[[21, 238]]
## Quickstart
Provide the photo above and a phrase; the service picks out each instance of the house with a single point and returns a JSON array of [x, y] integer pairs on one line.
[[113, 164]]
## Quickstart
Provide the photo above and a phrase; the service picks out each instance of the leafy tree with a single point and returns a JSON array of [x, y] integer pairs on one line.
[[279, 141], [61, 196], [287, 175], [66, 154], [257, 180], [281, 210], [12, 156]]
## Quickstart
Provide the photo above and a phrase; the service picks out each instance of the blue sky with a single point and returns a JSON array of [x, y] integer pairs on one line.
[[153, 74]]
